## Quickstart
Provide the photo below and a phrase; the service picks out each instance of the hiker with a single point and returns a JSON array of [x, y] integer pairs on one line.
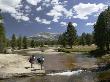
[[40, 61], [32, 60]]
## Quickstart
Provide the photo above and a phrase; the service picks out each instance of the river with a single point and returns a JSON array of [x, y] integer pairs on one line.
[[67, 68]]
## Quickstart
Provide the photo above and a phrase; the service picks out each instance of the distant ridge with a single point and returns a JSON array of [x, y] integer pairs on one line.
[[45, 36]]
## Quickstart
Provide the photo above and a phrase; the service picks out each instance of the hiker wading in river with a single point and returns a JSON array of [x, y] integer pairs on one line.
[[32, 60], [40, 61]]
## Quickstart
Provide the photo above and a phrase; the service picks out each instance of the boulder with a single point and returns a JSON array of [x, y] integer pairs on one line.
[[8, 51]]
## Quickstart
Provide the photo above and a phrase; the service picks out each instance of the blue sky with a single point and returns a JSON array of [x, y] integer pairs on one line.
[[28, 17]]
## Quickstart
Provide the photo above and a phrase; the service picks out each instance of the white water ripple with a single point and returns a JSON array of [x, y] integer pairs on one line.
[[68, 73]]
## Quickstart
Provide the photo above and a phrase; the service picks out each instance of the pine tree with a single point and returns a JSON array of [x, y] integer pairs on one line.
[[102, 30], [19, 42], [13, 42], [25, 43], [2, 35], [8, 43], [71, 34], [89, 39], [83, 39], [63, 40], [32, 44]]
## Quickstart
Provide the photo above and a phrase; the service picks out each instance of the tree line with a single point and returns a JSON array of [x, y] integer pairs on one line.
[[16, 43], [24, 42], [70, 37], [99, 37]]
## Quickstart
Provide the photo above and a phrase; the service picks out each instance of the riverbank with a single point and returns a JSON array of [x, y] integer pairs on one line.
[[56, 63], [14, 65], [102, 62], [78, 49]]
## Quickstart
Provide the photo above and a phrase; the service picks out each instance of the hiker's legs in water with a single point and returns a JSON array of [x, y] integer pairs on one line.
[[31, 65], [41, 66]]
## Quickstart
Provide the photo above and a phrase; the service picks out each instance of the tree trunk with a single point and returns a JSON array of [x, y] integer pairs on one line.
[[41, 66], [64, 46], [31, 65], [71, 46], [107, 47], [101, 48]]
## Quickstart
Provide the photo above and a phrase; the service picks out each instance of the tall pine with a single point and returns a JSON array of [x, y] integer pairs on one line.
[[19, 42], [71, 34], [25, 43], [102, 30], [32, 44], [2, 35], [83, 39], [13, 42], [63, 40]]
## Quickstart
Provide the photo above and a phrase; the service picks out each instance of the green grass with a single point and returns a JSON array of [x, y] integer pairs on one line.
[[77, 49], [104, 59], [104, 75]]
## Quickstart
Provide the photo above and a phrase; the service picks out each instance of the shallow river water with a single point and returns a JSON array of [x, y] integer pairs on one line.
[[67, 68]]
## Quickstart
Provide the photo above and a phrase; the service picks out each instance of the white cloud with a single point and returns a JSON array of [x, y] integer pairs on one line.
[[55, 19], [63, 23], [13, 7], [65, 2], [69, 13], [58, 11], [55, 2], [25, 18], [84, 10], [38, 19], [39, 8], [33, 2], [46, 4], [20, 17], [44, 21], [49, 28], [90, 24], [75, 24], [27, 9], [9, 5], [47, 1]]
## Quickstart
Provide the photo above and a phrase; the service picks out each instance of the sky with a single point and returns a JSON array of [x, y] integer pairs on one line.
[[28, 17]]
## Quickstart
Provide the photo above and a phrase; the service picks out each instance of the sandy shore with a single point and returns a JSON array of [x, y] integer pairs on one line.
[[46, 52], [17, 65]]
